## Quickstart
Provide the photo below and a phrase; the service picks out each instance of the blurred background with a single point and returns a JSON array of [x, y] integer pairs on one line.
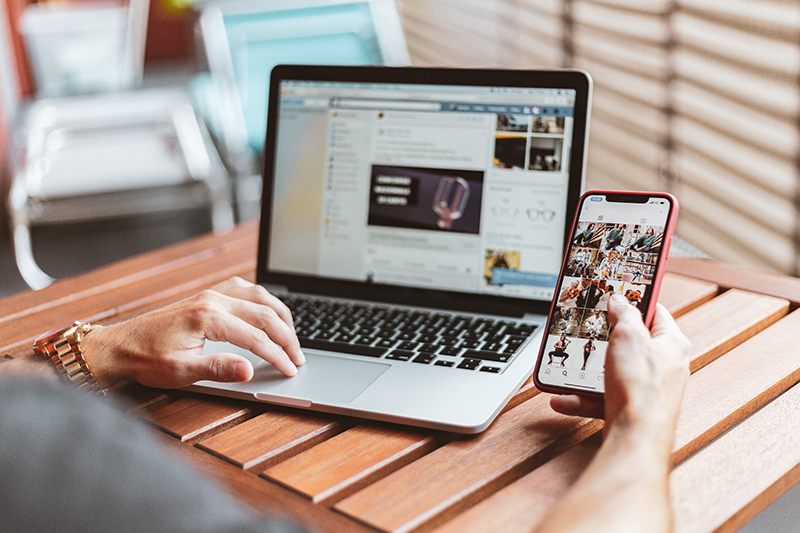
[[126, 125]]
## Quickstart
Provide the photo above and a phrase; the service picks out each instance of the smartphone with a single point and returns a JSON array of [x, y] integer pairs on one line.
[[619, 243]]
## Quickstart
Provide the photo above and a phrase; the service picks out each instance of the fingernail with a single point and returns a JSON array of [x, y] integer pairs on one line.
[[618, 298]]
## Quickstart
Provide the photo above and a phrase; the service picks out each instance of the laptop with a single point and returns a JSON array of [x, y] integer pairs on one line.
[[414, 220]]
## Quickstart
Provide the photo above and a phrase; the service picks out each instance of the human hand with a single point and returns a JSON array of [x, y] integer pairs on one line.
[[645, 372], [162, 348]]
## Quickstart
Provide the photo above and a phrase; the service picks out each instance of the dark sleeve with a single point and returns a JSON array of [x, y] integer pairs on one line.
[[72, 462]]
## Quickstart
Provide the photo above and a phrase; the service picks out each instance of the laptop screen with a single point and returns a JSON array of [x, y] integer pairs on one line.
[[459, 188]]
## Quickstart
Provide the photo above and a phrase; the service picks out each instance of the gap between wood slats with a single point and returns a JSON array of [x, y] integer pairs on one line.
[[271, 437], [351, 460], [731, 480], [190, 418], [457, 475], [728, 389], [526, 501]]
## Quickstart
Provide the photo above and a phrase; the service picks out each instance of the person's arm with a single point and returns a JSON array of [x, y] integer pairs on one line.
[[625, 487], [162, 348]]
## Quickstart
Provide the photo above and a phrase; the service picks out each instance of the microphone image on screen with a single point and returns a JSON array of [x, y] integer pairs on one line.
[[450, 200]]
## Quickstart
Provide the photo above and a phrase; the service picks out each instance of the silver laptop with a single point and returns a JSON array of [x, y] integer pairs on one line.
[[414, 220]]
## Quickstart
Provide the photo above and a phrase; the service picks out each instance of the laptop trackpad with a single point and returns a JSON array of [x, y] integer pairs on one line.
[[322, 379]]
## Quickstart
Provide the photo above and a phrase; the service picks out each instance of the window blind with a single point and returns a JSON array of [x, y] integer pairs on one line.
[[697, 97]]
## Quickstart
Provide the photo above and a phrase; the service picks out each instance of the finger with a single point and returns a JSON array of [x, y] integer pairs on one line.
[[573, 405], [224, 326], [260, 295], [230, 283], [222, 367], [265, 318], [619, 310], [663, 323]]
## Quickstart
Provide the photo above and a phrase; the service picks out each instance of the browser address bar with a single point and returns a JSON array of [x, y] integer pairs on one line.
[[386, 104]]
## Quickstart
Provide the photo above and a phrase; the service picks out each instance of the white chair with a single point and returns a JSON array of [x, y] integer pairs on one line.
[[112, 155]]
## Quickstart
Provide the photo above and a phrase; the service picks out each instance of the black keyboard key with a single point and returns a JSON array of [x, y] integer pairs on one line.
[[326, 335], [491, 369], [449, 341], [450, 350], [407, 336], [469, 343], [492, 346], [469, 364], [386, 343], [345, 337], [428, 348], [364, 339], [400, 355], [494, 338], [487, 356], [428, 338], [444, 363], [523, 330], [341, 347], [408, 345], [515, 341], [424, 358]]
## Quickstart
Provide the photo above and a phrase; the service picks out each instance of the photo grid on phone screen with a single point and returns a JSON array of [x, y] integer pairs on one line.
[[603, 259]]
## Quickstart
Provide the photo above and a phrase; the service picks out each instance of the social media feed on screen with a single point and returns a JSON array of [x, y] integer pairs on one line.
[[616, 255]]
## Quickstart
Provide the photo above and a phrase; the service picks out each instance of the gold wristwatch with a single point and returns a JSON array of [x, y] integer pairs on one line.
[[63, 348]]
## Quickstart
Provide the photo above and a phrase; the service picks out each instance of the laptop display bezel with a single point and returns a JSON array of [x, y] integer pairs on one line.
[[425, 297]]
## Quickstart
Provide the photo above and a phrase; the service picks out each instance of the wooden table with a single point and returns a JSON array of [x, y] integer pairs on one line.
[[737, 447]]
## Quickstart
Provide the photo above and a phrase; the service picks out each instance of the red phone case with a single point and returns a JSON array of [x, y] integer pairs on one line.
[[669, 229]]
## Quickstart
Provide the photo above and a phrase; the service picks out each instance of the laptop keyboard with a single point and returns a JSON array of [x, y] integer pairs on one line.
[[423, 337]]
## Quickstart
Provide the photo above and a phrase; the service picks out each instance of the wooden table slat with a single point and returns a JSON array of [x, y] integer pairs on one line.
[[437, 486], [680, 294], [132, 296], [521, 505], [190, 418], [702, 419], [718, 490], [730, 388], [350, 461], [270, 438], [726, 321], [141, 267]]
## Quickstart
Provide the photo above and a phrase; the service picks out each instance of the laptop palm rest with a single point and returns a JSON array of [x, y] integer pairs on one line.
[[323, 379]]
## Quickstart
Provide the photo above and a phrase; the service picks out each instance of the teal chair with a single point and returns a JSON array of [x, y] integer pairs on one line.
[[244, 39]]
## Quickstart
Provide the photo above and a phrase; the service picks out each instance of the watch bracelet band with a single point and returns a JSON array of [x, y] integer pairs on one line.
[[64, 350]]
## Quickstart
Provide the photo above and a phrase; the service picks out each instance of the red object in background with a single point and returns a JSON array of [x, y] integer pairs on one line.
[[170, 32], [14, 11]]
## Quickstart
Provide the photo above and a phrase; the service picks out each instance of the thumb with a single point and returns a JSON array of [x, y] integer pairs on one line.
[[222, 367]]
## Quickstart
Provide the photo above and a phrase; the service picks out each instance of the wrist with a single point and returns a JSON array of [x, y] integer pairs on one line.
[[100, 351]]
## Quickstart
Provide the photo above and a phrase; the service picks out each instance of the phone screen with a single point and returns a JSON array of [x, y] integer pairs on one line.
[[616, 247]]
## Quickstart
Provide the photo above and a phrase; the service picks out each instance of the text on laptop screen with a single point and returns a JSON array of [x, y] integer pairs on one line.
[[445, 187]]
